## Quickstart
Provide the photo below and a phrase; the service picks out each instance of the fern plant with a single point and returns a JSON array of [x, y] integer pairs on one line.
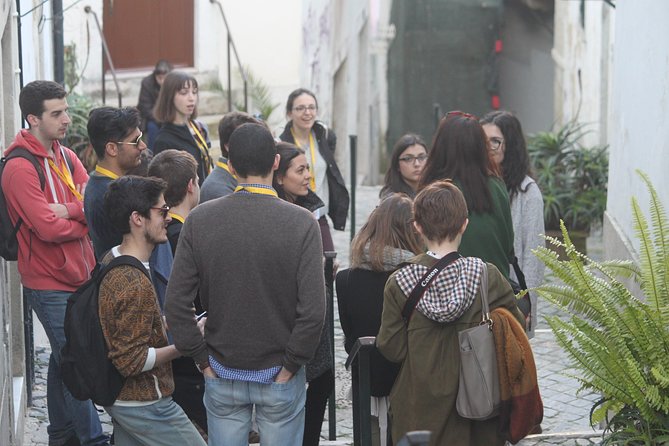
[[619, 342]]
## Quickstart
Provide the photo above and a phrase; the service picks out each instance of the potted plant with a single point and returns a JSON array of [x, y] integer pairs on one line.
[[572, 178], [618, 341]]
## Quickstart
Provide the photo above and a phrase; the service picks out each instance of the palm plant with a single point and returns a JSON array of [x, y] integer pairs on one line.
[[618, 341], [572, 178]]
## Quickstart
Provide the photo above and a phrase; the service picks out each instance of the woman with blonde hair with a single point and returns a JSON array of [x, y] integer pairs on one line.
[[385, 241]]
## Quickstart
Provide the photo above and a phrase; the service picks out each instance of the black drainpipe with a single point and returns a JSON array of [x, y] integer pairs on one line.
[[58, 42]]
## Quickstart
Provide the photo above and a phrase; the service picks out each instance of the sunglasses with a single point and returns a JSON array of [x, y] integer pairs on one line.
[[136, 142], [460, 113], [163, 211]]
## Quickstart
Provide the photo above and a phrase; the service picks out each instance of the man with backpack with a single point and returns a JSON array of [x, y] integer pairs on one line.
[[43, 186], [144, 411]]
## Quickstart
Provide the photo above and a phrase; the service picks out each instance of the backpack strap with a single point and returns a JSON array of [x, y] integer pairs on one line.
[[124, 260], [21, 152]]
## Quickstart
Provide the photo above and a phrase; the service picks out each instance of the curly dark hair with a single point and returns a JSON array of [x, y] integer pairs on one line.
[[516, 163]]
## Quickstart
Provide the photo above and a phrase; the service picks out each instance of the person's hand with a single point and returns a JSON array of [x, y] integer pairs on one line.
[[81, 188], [283, 376], [60, 210], [209, 373], [200, 325]]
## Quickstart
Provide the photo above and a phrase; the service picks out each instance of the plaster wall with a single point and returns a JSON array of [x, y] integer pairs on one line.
[[638, 134], [582, 53]]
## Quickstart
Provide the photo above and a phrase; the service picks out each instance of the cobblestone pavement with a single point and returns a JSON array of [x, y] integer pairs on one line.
[[566, 412]]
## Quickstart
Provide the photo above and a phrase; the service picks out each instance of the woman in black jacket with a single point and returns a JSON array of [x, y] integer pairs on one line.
[[176, 108], [386, 240], [291, 181], [318, 143]]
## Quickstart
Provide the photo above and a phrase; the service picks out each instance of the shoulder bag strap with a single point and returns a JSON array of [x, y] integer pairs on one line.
[[485, 306], [424, 283]]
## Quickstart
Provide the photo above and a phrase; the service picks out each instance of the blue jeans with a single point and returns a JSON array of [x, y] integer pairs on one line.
[[163, 423], [279, 411], [67, 416]]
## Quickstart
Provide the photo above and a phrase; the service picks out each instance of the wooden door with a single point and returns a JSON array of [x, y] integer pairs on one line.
[[140, 32]]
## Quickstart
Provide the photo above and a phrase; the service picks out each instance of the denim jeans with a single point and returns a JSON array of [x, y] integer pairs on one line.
[[163, 423], [279, 411], [67, 416]]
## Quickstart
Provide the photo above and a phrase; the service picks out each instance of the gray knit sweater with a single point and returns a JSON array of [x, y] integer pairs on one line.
[[257, 262]]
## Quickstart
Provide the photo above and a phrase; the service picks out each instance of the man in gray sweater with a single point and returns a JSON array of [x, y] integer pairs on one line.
[[256, 261]]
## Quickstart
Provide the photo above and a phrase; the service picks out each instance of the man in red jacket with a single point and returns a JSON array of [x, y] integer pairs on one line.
[[55, 254]]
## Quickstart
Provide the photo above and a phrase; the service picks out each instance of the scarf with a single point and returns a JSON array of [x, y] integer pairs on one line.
[[392, 257], [521, 408]]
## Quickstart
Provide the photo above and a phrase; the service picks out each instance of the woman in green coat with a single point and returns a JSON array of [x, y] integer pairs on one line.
[[424, 394]]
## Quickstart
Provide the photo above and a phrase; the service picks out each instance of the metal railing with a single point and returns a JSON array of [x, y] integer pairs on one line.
[[231, 44], [359, 362], [105, 49], [329, 284]]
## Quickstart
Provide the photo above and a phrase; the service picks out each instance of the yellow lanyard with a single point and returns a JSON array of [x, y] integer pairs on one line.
[[225, 167], [312, 151], [106, 172], [202, 145], [177, 217], [66, 177], [257, 190]]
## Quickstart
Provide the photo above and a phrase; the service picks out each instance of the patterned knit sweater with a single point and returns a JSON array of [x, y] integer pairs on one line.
[[131, 322]]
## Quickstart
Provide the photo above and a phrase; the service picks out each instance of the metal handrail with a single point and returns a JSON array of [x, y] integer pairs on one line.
[[231, 43], [105, 48], [330, 257], [359, 358]]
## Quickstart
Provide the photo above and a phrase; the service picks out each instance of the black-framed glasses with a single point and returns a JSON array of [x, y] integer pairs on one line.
[[163, 211], [136, 142], [412, 159], [495, 143], [302, 108]]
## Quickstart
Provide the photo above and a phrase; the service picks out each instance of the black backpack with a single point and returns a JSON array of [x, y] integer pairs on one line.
[[85, 366], [9, 245]]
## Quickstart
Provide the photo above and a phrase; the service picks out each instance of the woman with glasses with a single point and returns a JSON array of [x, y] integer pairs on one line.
[[318, 143], [509, 152], [406, 166], [176, 109], [291, 181], [460, 153]]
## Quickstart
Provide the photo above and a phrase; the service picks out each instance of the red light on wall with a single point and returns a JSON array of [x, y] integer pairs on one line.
[[498, 46], [494, 102]]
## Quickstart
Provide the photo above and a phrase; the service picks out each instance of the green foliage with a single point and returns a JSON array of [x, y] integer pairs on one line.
[[77, 133], [620, 343], [261, 97], [572, 178]]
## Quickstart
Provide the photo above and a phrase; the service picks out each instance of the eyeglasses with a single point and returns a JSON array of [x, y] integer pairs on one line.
[[137, 142], [302, 108], [412, 159], [163, 211], [495, 143]]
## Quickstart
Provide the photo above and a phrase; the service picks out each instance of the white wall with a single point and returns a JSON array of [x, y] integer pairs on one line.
[[639, 130], [581, 54], [36, 36]]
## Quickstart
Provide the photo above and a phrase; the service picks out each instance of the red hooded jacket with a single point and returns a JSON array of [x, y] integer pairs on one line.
[[54, 253]]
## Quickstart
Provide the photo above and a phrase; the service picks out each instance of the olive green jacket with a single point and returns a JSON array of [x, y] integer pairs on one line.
[[423, 396]]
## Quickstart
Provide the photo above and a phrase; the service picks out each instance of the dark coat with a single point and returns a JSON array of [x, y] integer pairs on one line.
[[172, 136], [360, 302], [148, 95], [338, 200]]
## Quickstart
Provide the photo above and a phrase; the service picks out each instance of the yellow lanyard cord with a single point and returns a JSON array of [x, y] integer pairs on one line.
[[225, 167], [202, 145], [312, 152], [65, 176], [106, 172], [177, 217], [257, 190]]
